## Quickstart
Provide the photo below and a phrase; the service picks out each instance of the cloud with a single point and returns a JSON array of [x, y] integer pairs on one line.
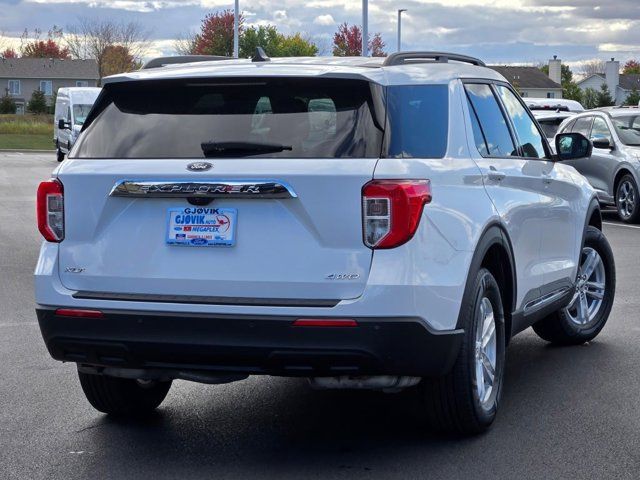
[[325, 20], [501, 31]]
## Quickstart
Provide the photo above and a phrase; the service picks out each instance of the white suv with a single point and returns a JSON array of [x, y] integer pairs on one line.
[[365, 223]]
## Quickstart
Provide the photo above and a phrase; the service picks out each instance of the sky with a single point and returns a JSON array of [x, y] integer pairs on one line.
[[499, 31]]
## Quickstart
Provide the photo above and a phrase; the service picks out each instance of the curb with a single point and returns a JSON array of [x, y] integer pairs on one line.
[[5, 150]]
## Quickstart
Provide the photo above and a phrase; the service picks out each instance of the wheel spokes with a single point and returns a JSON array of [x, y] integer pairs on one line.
[[590, 264], [595, 290]]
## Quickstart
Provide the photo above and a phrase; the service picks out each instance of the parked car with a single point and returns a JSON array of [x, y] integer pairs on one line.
[[550, 122], [553, 104], [366, 223], [73, 104], [614, 168]]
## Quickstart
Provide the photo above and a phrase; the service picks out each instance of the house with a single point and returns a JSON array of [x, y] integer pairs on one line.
[[20, 77], [533, 82], [620, 84]]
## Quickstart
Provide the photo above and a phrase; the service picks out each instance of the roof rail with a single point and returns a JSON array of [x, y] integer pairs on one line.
[[400, 58], [162, 61]]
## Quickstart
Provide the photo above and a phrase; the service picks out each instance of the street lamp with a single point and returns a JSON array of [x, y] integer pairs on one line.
[[365, 28], [400, 12], [236, 30]]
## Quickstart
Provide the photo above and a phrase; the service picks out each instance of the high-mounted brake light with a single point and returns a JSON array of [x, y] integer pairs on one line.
[[50, 210], [391, 211]]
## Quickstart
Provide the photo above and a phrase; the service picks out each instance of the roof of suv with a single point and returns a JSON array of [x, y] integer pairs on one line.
[[365, 68]]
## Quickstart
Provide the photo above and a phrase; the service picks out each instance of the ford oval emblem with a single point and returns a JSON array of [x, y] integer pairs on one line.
[[199, 166]]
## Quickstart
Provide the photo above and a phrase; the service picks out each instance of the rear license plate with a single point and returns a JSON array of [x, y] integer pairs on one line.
[[202, 227]]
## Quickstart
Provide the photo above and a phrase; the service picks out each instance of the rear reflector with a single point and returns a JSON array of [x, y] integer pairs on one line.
[[323, 322], [72, 312]]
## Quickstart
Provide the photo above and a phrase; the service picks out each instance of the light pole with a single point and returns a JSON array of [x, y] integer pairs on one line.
[[236, 30], [400, 12], [365, 28]]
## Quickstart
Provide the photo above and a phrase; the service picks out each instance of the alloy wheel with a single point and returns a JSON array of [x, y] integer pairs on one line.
[[626, 199], [589, 290], [485, 353]]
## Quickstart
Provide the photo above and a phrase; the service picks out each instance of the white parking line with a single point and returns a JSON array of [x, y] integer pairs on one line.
[[621, 225]]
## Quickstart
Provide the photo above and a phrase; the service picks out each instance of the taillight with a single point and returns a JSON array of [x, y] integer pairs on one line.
[[50, 210], [391, 211]]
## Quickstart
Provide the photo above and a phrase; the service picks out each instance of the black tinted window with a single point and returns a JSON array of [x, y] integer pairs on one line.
[[275, 117], [529, 136], [492, 121], [419, 121], [583, 126], [550, 126]]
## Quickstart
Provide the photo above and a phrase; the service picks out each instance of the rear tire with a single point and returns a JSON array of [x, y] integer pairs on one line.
[[122, 396], [577, 324], [465, 401], [59, 154], [628, 200]]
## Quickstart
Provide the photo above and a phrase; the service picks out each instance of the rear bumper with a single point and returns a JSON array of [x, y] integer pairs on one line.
[[250, 344]]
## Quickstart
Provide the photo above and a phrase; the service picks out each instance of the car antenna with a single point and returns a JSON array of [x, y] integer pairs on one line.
[[260, 56]]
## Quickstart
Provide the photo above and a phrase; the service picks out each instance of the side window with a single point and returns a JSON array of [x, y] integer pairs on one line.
[[583, 126], [527, 132], [68, 118], [600, 130], [495, 139], [419, 121], [568, 127]]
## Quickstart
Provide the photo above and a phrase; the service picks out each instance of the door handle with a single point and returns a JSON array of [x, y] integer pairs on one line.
[[546, 179], [496, 175]]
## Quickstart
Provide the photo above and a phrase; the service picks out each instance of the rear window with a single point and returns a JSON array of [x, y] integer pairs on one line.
[[419, 121], [550, 126], [278, 117]]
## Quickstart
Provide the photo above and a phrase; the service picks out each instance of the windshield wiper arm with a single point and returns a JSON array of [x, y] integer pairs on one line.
[[240, 149]]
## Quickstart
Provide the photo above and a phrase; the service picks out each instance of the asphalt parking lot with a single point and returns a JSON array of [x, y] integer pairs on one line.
[[566, 412]]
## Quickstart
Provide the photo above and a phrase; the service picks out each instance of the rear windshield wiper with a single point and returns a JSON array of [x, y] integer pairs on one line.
[[240, 149]]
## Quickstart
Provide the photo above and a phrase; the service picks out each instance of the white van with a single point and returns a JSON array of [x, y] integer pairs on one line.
[[72, 107]]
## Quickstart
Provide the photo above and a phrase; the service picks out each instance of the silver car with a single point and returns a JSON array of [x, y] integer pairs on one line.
[[614, 167]]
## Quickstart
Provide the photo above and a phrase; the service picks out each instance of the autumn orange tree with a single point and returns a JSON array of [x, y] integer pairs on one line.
[[32, 46], [8, 53], [632, 66], [347, 42]]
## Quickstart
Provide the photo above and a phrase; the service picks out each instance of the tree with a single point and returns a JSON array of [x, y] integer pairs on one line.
[[593, 67], [603, 97], [571, 91], [566, 75], [275, 44], [9, 53], [632, 66], [37, 103], [633, 98], [589, 98], [117, 59], [94, 39], [49, 48], [7, 104], [216, 34], [347, 42]]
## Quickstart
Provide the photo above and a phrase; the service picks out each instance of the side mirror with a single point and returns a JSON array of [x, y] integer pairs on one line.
[[63, 125], [570, 146], [602, 142]]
